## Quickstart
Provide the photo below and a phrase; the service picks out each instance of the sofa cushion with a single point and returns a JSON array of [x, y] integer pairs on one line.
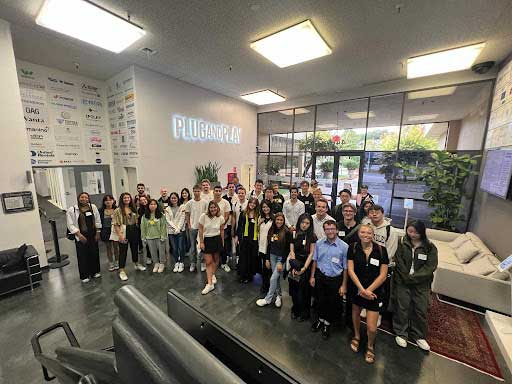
[[505, 276], [483, 250], [458, 241], [481, 266], [445, 253], [466, 252]]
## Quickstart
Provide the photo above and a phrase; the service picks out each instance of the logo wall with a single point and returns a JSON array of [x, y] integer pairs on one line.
[[64, 117]]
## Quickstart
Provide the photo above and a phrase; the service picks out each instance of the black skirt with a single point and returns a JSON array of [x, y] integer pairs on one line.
[[370, 305], [212, 244], [105, 234]]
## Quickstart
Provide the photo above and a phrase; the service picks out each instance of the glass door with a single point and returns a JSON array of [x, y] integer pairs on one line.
[[337, 171]]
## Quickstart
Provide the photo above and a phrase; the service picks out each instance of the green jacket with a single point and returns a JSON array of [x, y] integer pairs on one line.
[[153, 228], [423, 269]]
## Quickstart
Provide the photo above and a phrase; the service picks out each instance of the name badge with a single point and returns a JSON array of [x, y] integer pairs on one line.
[[306, 202], [274, 238], [88, 213], [341, 233], [251, 220], [304, 242], [422, 256], [335, 260], [166, 205], [375, 262]]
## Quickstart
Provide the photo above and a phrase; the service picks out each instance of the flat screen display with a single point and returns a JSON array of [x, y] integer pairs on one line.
[[497, 173]]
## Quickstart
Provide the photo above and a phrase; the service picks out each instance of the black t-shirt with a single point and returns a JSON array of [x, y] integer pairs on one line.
[[368, 271], [344, 232], [302, 245], [280, 248], [229, 199], [309, 203]]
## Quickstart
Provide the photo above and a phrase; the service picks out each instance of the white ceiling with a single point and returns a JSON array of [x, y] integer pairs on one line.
[[199, 41]]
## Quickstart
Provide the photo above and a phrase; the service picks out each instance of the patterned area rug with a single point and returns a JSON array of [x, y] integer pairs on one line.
[[457, 334]]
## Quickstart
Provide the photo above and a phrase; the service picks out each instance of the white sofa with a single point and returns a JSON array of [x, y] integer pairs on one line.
[[473, 281]]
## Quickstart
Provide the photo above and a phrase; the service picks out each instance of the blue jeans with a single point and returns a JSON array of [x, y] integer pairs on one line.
[[275, 283], [178, 246], [193, 245]]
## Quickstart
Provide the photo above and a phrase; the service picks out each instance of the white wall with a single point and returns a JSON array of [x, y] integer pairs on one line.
[[19, 228], [472, 126], [166, 161]]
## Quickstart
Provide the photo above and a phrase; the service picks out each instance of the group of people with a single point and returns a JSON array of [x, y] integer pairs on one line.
[[351, 253]]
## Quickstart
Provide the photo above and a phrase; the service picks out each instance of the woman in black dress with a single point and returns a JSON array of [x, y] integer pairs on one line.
[[367, 268], [247, 236]]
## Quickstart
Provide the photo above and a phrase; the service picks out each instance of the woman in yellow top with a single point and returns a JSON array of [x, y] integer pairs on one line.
[[153, 229]]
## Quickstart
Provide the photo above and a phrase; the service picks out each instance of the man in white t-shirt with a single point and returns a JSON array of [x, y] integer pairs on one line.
[[206, 193], [225, 210], [320, 217], [292, 209], [193, 210], [257, 192]]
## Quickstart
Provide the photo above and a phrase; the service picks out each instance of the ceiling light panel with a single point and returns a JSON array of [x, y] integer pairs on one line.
[[359, 115], [451, 60], [87, 22], [294, 45], [298, 111], [422, 117], [263, 97], [431, 93]]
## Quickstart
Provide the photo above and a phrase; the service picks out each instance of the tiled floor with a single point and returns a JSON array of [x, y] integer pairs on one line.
[[90, 310]]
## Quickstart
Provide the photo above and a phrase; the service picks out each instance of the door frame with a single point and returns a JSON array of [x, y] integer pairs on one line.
[[335, 171]]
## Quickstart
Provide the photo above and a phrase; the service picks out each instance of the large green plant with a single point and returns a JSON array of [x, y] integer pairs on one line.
[[446, 177], [208, 171], [327, 166]]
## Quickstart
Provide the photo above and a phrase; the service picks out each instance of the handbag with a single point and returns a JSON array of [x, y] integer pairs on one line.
[[113, 233]]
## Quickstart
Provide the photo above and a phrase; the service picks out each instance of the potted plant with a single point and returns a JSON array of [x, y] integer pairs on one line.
[[208, 171], [446, 177], [351, 165], [326, 167]]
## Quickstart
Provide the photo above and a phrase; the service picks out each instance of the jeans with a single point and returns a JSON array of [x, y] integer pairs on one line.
[[132, 238], [157, 249], [275, 283], [194, 256], [178, 246], [227, 245]]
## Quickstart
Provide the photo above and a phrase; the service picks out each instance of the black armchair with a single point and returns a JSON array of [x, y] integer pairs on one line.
[[19, 268]]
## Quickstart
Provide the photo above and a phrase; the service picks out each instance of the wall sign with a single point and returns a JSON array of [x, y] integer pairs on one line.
[[17, 202], [197, 129]]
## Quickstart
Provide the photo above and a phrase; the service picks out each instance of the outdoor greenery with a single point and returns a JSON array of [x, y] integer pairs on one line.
[[208, 171], [327, 166], [446, 177]]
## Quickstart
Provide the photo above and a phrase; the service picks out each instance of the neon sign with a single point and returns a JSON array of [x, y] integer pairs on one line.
[[197, 129]]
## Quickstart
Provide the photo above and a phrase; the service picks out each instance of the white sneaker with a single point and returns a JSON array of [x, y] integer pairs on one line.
[[155, 267], [116, 265], [262, 302], [96, 275], [401, 342], [161, 267], [379, 321], [207, 289], [225, 267], [123, 276], [181, 267], [214, 280], [363, 313], [140, 267], [111, 267], [86, 280], [278, 302], [422, 343], [176, 267], [203, 267], [149, 261], [192, 267]]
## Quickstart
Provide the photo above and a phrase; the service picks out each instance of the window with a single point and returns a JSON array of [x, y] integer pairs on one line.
[[378, 175], [384, 123]]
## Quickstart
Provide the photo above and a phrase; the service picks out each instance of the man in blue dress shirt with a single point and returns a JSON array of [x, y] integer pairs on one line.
[[329, 275]]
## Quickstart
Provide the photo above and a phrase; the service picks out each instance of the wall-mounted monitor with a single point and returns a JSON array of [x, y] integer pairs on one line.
[[497, 173]]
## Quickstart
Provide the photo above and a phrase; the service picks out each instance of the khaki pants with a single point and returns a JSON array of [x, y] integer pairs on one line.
[[411, 307]]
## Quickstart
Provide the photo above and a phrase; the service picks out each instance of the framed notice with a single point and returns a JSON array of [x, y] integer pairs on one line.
[[15, 202]]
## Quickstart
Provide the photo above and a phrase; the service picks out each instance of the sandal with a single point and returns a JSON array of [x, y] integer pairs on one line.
[[354, 345], [369, 356]]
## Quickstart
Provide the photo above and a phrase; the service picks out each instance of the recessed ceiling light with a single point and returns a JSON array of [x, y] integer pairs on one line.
[[423, 117], [327, 126], [87, 22], [451, 60], [298, 111], [263, 97], [359, 115], [293, 45], [431, 93]]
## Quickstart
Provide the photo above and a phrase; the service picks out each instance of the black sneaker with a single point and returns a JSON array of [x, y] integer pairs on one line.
[[326, 331], [316, 326]]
